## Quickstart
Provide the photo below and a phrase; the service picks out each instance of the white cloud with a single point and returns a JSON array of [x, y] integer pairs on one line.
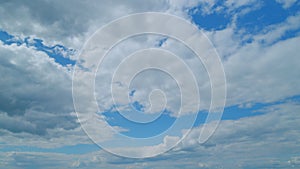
[[253, 69], [273, 33], [69, 22], [286, 3], [258, 141], [234, 4], [269, 140], [36, 101], [294, 161], [36, 104], [31, 79]]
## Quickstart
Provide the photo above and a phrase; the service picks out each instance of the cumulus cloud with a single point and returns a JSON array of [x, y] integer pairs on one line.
[[36, 106], [30, 79], [69, 22], [35, 97], [261, 141]]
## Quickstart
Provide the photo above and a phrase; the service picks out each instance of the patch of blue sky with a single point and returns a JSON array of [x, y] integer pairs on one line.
[[135, 104], [138, 106], [9, 39], [131, 93], [286, 35], [143, 130], [269, 13], [58, 52], [256, 21], [54, 53], [161, 42], [4, 36], [236, 112], [295, 99], [140, 130], [73, 149], [214, 20], [290, 34]]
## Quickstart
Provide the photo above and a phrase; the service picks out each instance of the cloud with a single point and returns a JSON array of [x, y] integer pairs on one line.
[[277, 32], [251, 141], [287, 3], [268, 60], [235, 4], [9, 123], [269, 140], [30, 79], [69, 22], [36, 101], [254, 68]]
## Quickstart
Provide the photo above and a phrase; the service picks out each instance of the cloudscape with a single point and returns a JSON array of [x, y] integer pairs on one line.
[[149, 84]]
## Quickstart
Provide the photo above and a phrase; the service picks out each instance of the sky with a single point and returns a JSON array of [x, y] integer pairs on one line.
[[154, 115]]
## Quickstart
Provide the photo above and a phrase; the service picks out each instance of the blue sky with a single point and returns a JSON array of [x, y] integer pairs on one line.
[[55, 52], [257, 42]]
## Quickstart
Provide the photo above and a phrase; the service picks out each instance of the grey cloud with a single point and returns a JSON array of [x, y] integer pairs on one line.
[[9, 123], [35, 95], [31, 79], [36, 122], [35, 92], [68, 21], [265, 141]]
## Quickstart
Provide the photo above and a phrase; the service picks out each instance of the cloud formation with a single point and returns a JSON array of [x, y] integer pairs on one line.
[[261, 65]]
